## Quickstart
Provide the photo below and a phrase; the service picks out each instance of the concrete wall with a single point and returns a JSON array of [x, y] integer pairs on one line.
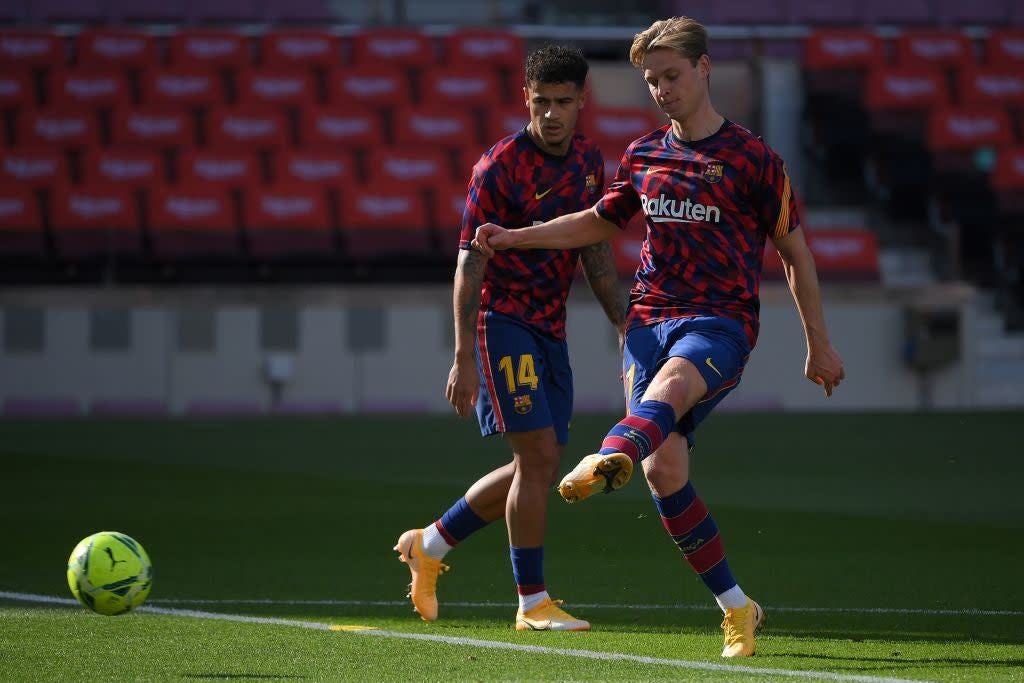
[[353, 350]]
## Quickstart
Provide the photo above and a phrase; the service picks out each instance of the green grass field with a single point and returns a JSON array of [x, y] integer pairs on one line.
[[882, 546]]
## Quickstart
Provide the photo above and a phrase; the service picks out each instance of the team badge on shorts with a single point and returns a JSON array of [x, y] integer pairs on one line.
[[591, 183], [713, 172], [522, 404]]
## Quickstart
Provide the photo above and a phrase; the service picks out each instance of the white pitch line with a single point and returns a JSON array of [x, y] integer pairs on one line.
[[968, 611], [489, 644]]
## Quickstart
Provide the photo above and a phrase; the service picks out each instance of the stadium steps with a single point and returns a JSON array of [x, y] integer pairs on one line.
[[999, 358]]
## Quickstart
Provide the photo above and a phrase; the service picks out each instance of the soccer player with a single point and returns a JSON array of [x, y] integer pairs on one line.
[[712, 193], [511, 359]]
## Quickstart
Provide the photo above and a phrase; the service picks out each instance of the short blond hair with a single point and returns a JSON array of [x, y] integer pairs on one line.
[[686, 36]]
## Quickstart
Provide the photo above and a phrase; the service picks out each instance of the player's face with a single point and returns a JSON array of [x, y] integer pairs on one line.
[[676, 85], [554, 109]]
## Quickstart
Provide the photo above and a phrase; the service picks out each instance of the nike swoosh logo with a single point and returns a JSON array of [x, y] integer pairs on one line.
[[541, 195], [656, 169], [707, 361]]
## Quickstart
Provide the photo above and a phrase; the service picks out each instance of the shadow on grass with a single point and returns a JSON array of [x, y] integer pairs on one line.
[[904, 662], [226, 676]]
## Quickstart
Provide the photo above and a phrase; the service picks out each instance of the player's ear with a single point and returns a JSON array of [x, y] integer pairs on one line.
[[704, 64], [526, 96]]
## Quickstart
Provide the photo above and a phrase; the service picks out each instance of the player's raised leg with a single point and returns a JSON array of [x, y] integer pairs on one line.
[[536, 456], [423, 549]]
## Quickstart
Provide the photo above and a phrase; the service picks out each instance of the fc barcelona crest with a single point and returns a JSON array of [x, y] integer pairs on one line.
[[522, 404], [713, 172], [591, 183]]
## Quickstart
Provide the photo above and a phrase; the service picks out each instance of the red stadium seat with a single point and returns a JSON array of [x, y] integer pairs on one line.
[[384, 220], [899, 98], [205, 48], [506, 121], [369, 86], [273, 87], [17, 89], [246, 128], [342, 126], [21, 224], [66, 128], [993, 85], [612, 150], [462, 86], [619, 124], [408, 166], [112, 47], [91, 87], [182, 86], [35, 168], [840, 255], [436, 125], [1005, 47], [294, 48], [94, 221], [449, 202], [401, 47], [949, 49], [315, 167], [842, 49], [134, 168], [153, 127], [967, 128], [230, 168], [287, 221], [478, 46], [193, 222], [31, 48]]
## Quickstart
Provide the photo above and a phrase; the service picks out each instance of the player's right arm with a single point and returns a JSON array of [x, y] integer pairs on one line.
[[463, 381], [570, 231]]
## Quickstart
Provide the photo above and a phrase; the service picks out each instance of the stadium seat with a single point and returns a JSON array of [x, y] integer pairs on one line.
[[193, 222], [1004, 47], [966, 128], [152, 127], [224, 168], [619, 124], [116, 48], [840, 255], [827, 51], [207, 48], [1000, 86], [95, 222], [275, 87], [30, 48], [182, 87], [33, 167], [384, 220], [294, 49], [246, 128], [285, 222], [17, 89], [21, 224], [57, 127], [612, 150], [462, 86], [449, 204], [480, 46], [342, 126], [445, 126], [398, 47], [314, 166], [370, 86], [133, 168], [88, 87], [506, 121], [948, 49], [898, 98], [408, 166]]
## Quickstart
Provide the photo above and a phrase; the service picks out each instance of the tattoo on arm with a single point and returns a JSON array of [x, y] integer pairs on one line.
[[599, 267], [469, 277]]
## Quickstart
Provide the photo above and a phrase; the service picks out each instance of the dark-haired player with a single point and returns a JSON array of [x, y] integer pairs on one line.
[[511, 360], [712, 193]]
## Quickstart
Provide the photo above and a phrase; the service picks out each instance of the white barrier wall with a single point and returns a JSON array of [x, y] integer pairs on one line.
[[376, 349]]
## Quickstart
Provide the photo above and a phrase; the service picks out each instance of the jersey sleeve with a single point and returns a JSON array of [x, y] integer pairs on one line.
[[486, 199], [778, 210], [620, 201]]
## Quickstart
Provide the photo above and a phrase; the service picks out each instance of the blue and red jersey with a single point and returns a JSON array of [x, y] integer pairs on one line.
[[516, 185], [709, 206]]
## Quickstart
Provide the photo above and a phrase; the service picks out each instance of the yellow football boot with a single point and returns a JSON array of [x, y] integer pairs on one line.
[[596, 473], [740, 624], [547, 616], [424, 570]]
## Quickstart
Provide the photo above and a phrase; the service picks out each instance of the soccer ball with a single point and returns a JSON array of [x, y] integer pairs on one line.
[[110, 573]]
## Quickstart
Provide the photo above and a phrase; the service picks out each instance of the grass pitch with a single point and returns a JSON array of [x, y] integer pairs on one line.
[[883, 546]]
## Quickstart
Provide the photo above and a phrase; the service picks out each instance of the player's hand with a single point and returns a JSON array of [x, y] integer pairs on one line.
[[463, 385], [490, 238], [824, 367]]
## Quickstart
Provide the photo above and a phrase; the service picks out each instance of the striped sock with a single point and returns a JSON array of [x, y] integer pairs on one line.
[[640, 433], [528, 570], [695, 533], [455, 525]]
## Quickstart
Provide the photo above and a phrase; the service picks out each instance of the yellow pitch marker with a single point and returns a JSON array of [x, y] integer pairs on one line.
[[352, 627]]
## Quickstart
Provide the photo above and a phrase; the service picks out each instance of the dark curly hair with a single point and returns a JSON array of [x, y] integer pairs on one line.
[[557, 64]]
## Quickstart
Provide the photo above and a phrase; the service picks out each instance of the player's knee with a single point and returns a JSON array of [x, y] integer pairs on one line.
[[664, 478]]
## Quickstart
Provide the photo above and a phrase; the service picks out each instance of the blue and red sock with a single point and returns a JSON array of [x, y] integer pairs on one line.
[[455, 525], [528, 570], [640, 433]]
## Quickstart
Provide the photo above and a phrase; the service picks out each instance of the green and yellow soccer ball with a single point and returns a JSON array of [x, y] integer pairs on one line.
[[110, 573]]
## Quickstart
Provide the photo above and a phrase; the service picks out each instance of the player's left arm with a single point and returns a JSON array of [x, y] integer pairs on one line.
[[599, 268], [824, 366]]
